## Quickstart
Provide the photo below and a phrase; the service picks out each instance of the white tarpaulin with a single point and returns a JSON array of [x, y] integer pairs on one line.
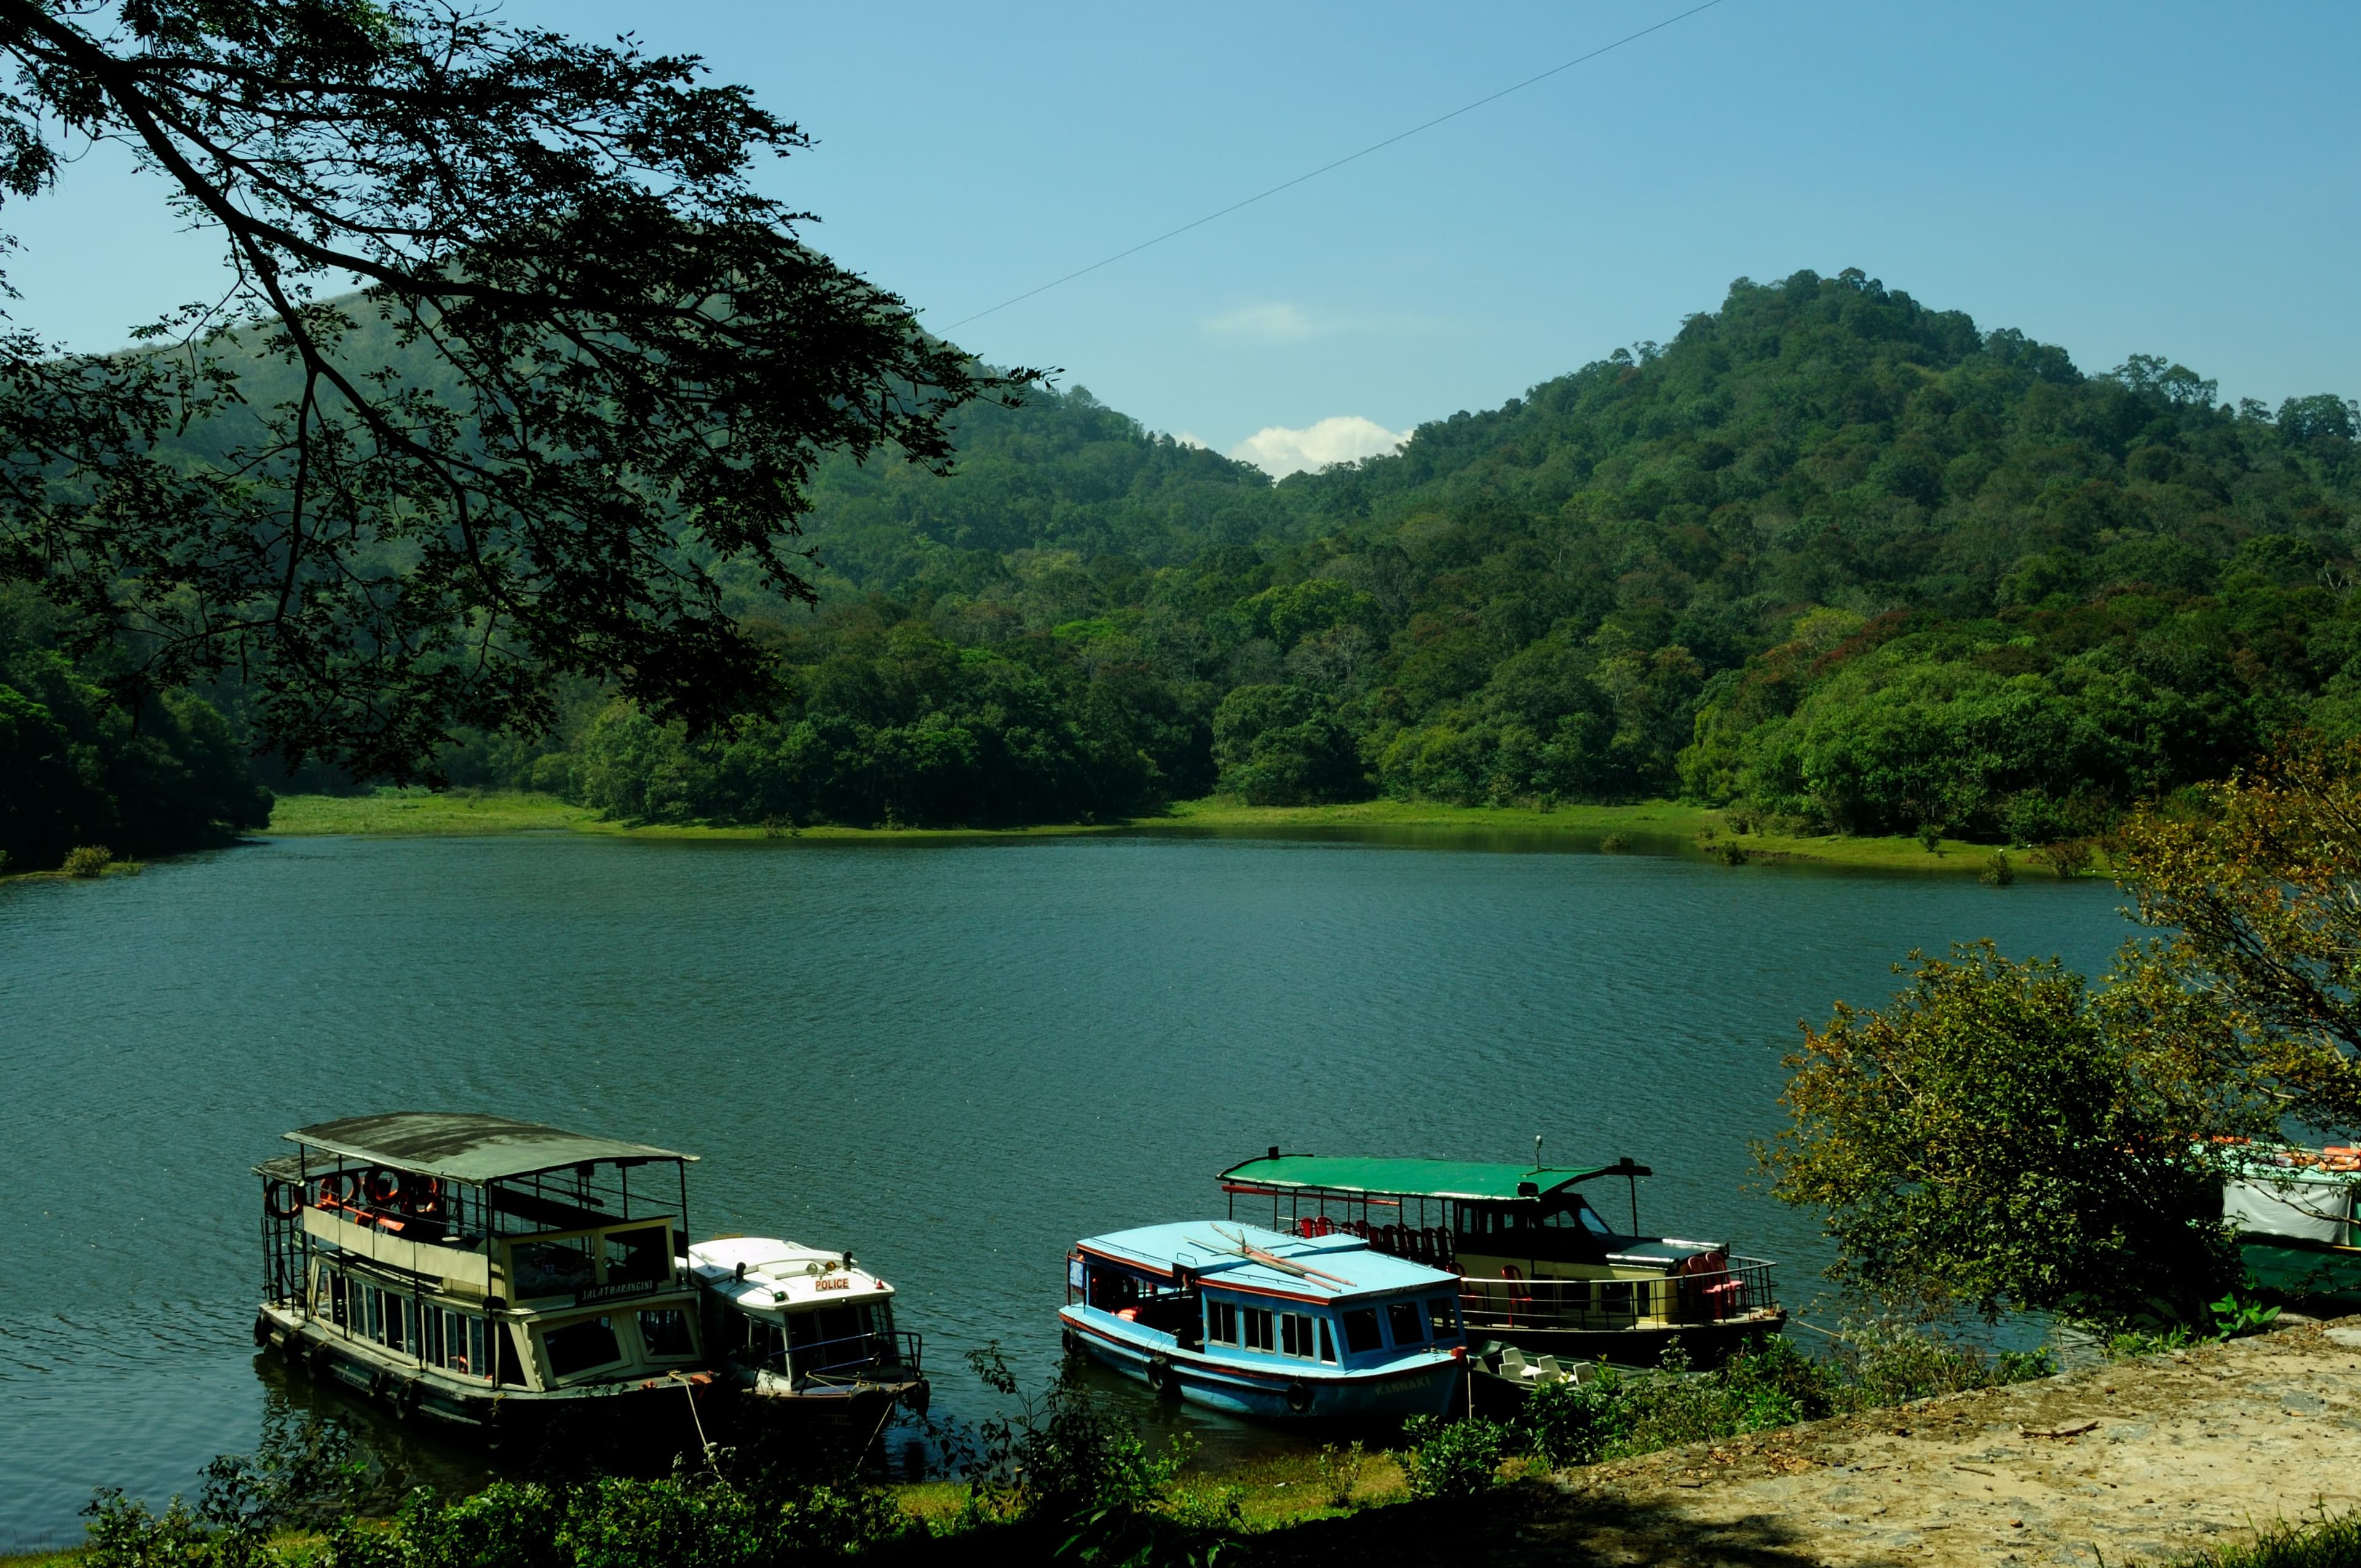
[[2311, 1210]]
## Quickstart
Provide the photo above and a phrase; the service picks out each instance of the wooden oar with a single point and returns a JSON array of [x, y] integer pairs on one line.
[[1272, 1260]]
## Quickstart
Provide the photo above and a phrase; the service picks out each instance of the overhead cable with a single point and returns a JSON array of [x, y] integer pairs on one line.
[[1325, 167]]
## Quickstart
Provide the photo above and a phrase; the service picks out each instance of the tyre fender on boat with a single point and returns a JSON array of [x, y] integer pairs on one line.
[[261, 1331], [1299, 1396], [1160, 1377]]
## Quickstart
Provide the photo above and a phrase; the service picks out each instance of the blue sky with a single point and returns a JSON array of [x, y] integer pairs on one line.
[[2159, 178]]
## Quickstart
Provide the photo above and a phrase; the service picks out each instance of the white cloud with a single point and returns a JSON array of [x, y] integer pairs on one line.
[[1340, 438], [1187, 438], [1274, 323]]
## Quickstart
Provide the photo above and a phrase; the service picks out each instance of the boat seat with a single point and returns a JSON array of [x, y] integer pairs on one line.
[[1550, 1369], [1513, 1362]]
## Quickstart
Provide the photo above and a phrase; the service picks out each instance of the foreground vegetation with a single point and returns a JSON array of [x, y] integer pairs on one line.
[[1058, 1477]]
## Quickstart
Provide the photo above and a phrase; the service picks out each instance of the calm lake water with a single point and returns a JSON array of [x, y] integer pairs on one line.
[[952, 1059]]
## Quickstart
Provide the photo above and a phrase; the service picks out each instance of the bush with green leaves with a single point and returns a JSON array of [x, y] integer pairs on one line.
[[1615, 1414], [1449, 1460]]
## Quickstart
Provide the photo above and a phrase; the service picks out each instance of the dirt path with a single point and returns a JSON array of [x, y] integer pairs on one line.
[[2146, 1459]]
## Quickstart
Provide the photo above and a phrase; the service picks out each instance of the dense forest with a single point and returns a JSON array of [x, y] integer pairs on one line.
[[1829, 555]]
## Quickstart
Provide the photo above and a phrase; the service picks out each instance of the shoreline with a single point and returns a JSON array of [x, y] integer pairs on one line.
[[1651, 827]]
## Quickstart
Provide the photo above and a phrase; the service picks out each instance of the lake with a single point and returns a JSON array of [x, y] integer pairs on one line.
[[952, 1059]]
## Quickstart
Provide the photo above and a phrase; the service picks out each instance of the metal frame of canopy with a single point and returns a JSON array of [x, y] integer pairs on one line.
[[1392, 1183]]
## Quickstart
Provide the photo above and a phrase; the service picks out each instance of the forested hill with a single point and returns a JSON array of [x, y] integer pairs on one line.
[[1828, 552]]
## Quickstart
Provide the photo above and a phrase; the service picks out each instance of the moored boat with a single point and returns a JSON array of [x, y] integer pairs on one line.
[[804, 1330], [1284, 1328], [2297, 1215], [1536, 1264], [484, 1274]]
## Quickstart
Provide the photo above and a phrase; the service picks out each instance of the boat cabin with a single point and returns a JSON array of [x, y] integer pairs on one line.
[[799, 1322], [442, 1258], [1264, 1324]]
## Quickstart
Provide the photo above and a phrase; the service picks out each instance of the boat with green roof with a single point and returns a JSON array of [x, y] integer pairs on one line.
[[1538, 1265]]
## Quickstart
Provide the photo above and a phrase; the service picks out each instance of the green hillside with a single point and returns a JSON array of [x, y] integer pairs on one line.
[[1831, 553], [1832, 556]]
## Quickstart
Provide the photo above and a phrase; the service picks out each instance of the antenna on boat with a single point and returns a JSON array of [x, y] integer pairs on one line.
[[1537, 1151]]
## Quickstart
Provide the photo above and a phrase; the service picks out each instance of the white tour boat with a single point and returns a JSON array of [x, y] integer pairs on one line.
[[806, 1328]]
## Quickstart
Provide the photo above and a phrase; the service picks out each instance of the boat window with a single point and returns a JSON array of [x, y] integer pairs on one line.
[[548, 1269], [1327, 1342], [338, 1295], [512, 1350], [1406, 1322], [1443, 1317], [1361, 1330], [1295, 1334], [430, 1335], [374, 1299], [665, 1333], [397, 1320], [476, 1356], [1222, 1323], [1257, 1327], [637, 1256], [578, 1347]]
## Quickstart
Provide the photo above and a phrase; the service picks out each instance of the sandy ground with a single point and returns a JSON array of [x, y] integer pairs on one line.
[[2146, 1459]]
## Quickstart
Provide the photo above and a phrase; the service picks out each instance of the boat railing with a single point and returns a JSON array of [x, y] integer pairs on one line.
[[1605, 1304], [897, 1352]]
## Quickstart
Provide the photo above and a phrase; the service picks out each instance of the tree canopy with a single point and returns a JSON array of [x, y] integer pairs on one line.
[[586, 379]]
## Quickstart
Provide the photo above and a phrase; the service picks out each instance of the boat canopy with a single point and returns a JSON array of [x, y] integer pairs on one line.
[[1339, 1266], [1318, 1175], [453, 1146]]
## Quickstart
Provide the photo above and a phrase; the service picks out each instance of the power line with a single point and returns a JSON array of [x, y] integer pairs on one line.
[[1325, 167]]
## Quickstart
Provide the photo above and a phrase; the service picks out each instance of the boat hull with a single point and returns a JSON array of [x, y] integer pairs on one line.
[[1430, 1388], [667, 1409], [1705, 1344], [2314, 1272]]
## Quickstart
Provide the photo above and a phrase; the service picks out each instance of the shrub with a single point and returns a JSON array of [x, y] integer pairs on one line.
[[89, 860], [1455, 1459], [1997, 871], [1337, 1473], [1615, 843], [2067, 857], [1617, 1414]]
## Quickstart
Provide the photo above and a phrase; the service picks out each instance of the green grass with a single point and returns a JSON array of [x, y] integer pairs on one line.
[[2328, 1543], [1654, 827]]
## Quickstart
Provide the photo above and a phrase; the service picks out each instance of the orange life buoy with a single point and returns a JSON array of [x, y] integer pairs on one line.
[[339, 1186], [281, 1201], [381, 1185], [423, 1196]]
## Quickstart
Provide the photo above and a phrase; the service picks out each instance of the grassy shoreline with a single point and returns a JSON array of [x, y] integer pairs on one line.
[[1649, 827]]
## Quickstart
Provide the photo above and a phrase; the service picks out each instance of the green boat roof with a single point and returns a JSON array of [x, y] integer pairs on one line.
[[1414, 1177], [454, 1145]]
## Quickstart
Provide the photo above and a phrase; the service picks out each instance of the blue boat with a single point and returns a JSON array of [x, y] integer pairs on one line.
[[1286, 1328]]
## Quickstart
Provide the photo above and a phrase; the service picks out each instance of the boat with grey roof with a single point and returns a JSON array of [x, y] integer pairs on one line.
[[484, 1274]]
